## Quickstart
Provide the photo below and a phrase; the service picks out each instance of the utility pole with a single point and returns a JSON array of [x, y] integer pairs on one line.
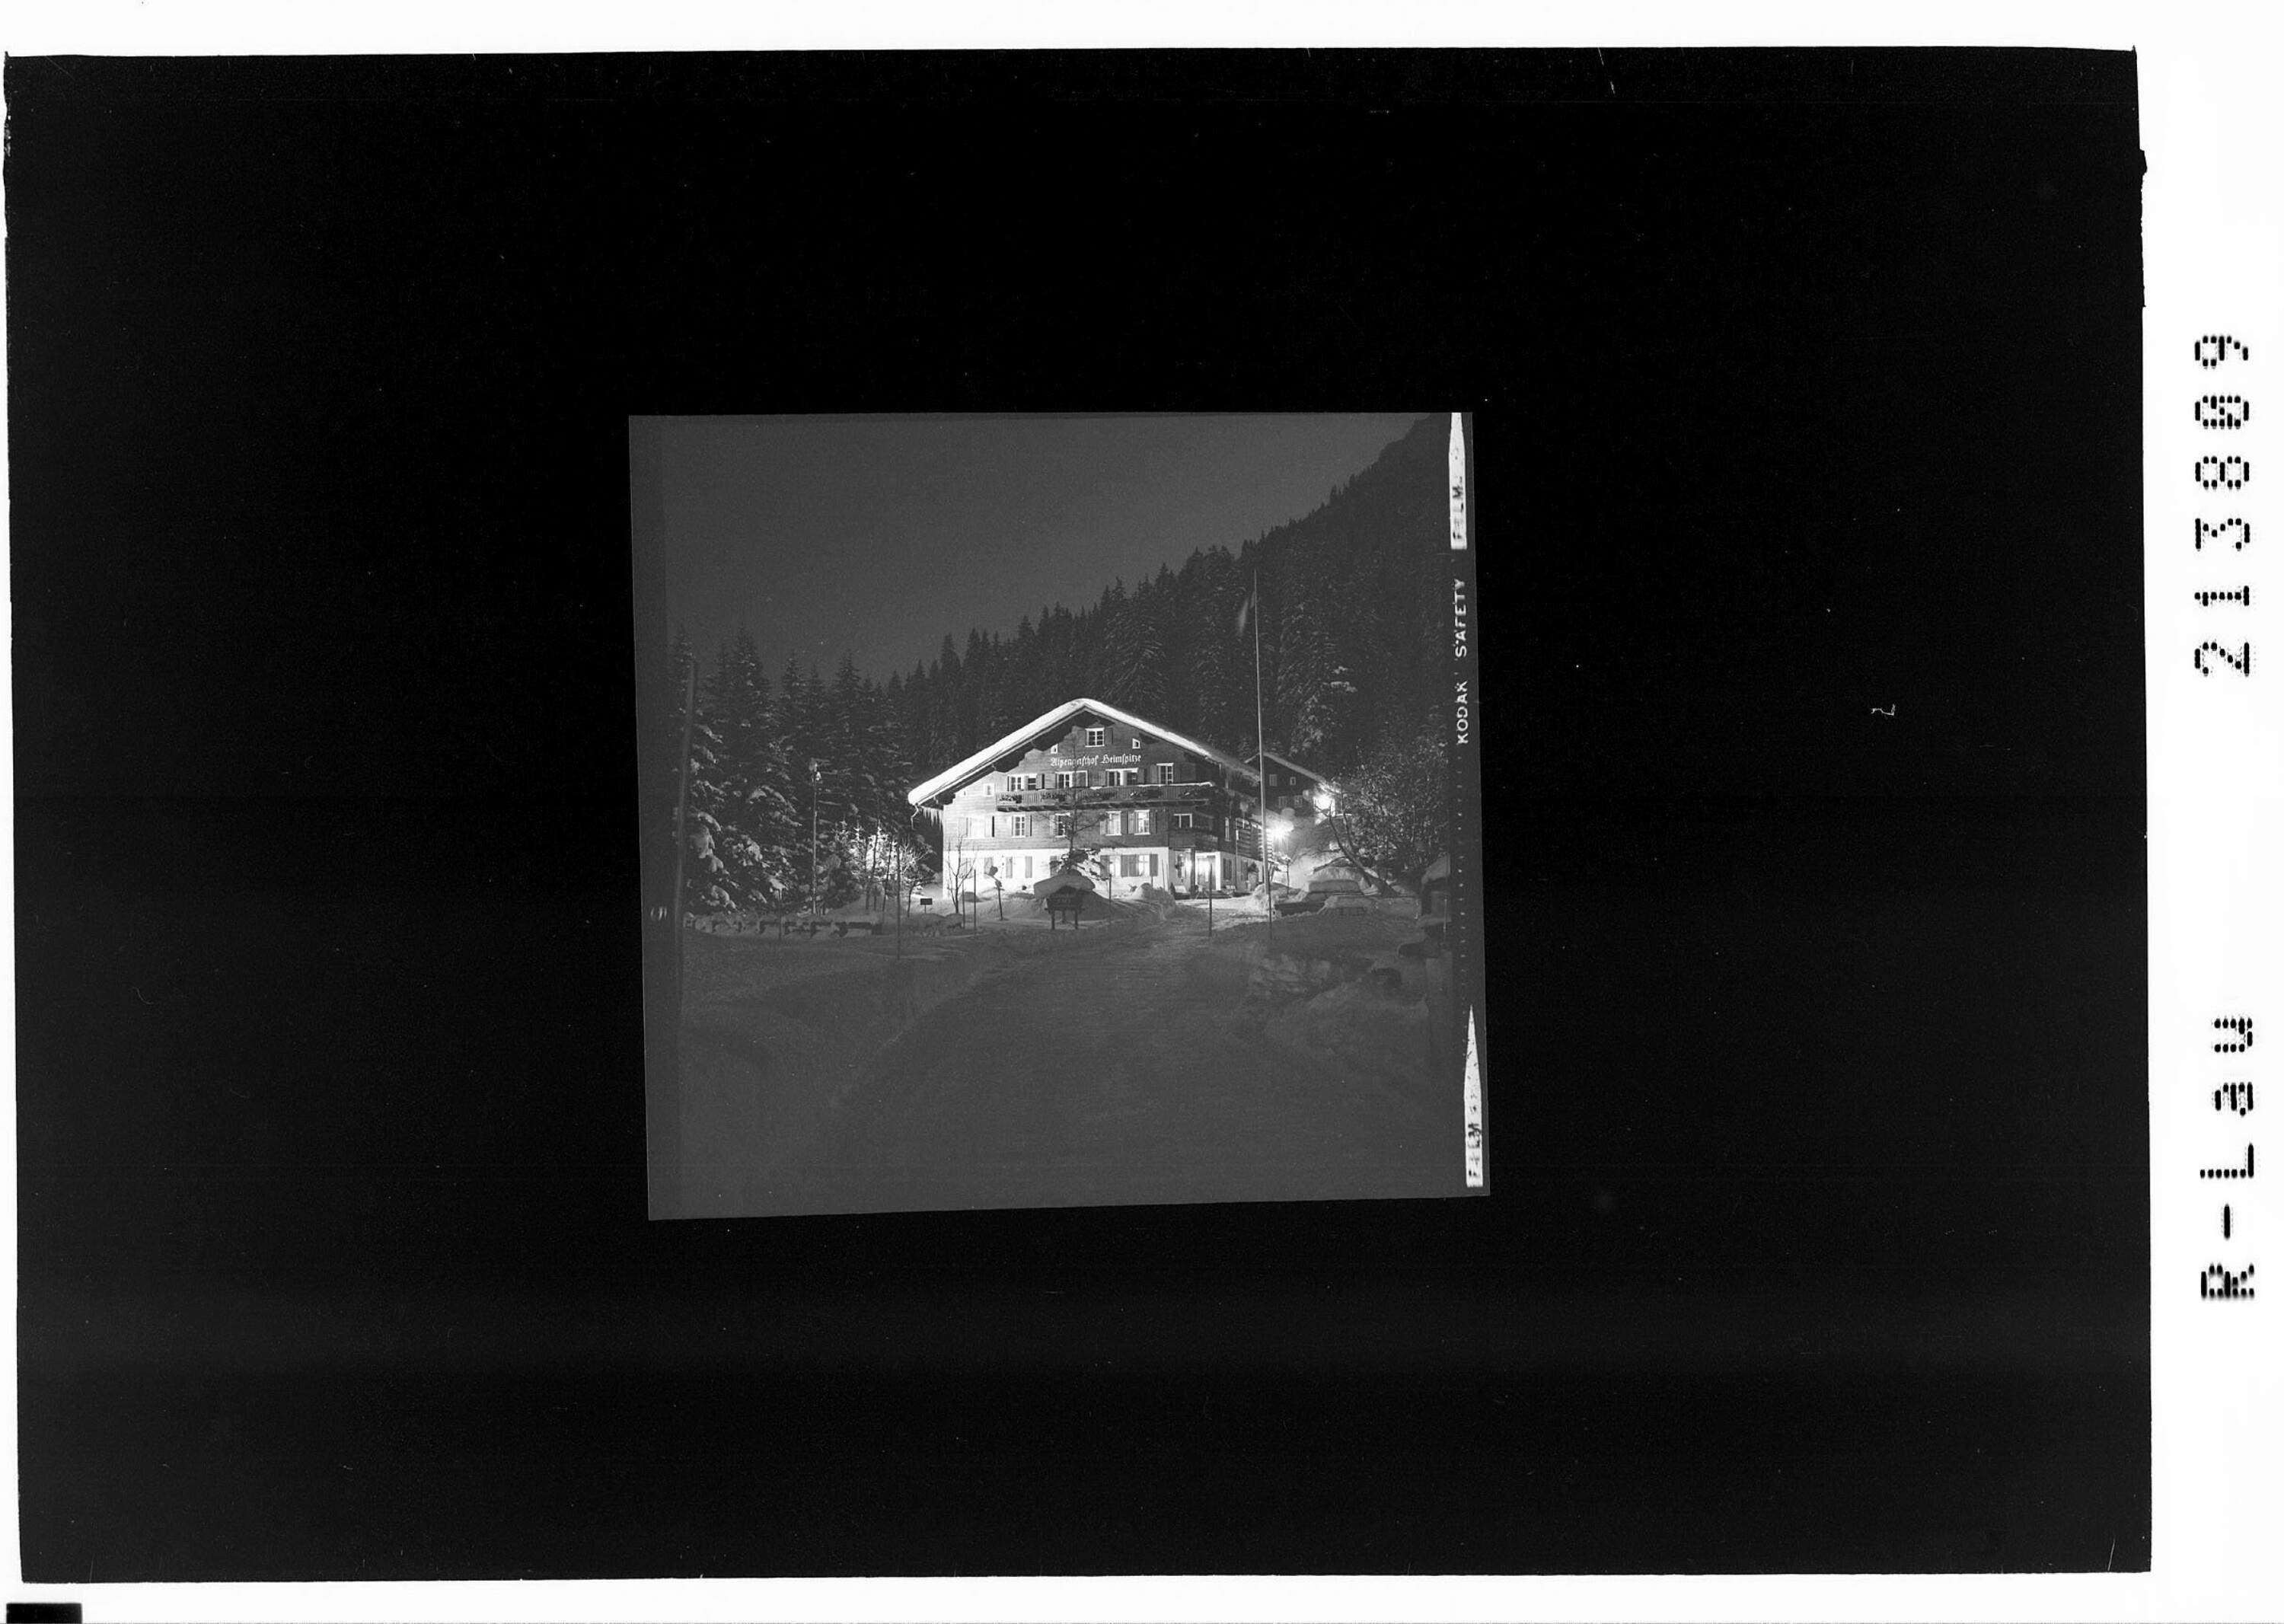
[[1261, 757], [816, 781]]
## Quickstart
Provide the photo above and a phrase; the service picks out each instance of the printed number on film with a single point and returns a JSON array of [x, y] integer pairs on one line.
[[2220, 471]]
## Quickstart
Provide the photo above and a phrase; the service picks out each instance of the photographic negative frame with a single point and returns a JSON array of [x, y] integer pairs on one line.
[[1216, 938]]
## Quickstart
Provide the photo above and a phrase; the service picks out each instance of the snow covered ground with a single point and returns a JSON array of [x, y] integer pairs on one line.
[[1135, 1060]]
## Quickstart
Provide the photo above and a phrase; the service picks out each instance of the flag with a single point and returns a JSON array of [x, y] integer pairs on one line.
[[1245, 609]]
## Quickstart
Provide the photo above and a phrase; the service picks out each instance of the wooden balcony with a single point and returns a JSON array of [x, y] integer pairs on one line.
[[1105, 796]]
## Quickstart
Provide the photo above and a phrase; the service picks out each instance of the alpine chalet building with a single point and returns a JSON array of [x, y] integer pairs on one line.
[[1161, 810]]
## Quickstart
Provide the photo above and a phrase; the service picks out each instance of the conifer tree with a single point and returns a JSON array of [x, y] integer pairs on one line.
[[1221, 655], [1316, 692], [943, 708], [1133, 669], [704, 888], [1094, 634]]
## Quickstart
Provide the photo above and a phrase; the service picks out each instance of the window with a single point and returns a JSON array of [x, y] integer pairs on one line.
[[1137, 823], [1028, 872], [1062, 823], [1062, 780], [1184, 820], [1165, 772], [1018, 825], [1081, 779], [1129, 865], [1094, 738], [1134, 744]]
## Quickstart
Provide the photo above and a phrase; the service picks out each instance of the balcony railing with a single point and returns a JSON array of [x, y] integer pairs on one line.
[[1107, 795]]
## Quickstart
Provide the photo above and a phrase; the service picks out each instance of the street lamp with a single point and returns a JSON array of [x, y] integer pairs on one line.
[[815, 783], [1280, 827], [1322, 797]]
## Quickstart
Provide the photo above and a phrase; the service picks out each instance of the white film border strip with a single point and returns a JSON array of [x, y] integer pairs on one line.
[[2213, 452], [1473, 1086], [1465, 806]]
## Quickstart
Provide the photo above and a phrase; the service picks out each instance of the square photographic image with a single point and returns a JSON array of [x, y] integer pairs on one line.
[[1059, 811]]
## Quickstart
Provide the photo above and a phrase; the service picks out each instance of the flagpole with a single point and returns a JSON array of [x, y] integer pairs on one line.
[[1261, 761]]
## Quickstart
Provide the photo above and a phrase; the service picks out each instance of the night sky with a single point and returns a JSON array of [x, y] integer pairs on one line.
[[877, 536]]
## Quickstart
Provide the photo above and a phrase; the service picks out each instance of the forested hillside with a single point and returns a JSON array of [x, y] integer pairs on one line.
[[1355, 604]]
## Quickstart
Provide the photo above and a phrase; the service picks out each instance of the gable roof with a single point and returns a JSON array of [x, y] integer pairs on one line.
[[953, 776], [1306, 772]]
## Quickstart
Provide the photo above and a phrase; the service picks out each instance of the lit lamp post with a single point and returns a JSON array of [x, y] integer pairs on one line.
[[816, 784], [1280, 827], [1322, 796]]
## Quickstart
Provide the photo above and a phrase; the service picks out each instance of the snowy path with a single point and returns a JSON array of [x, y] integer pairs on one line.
[[1119, 1067]]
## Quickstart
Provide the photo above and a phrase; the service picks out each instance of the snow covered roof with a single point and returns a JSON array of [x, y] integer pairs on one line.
[[951, 777], [1306, 772]]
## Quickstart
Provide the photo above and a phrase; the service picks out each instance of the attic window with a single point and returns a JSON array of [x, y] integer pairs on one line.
[[1093, 737]]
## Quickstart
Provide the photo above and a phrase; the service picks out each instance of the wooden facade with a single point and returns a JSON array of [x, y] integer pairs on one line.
[[1162, 810]]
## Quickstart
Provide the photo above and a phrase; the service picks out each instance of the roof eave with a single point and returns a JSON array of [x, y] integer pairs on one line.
[[953, 778]]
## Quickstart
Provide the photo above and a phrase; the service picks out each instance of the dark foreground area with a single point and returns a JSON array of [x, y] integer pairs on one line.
[[1147, 1059], [1081, 1441]]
